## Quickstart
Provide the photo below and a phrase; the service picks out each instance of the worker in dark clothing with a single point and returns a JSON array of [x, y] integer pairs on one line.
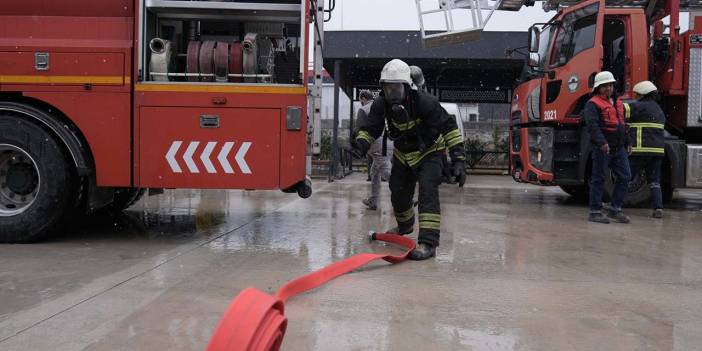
[[605, 116], [366, 97], [619, 67], [646, 126], [421, 130]]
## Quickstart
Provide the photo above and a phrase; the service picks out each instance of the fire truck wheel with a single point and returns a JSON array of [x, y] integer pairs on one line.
[[37, 182], [304, 189], [126, 198], [638, 194]]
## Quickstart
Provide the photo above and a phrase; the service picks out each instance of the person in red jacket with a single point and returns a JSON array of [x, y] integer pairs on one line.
[[605, 116]]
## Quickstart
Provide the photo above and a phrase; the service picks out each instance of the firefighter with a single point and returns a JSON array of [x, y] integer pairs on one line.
[[421, 130], [646, 125], [605, 118]]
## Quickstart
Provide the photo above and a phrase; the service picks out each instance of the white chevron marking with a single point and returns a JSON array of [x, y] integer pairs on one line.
[[226, 149], [205, 157], [170, 157], [240, 158], [188, 157]]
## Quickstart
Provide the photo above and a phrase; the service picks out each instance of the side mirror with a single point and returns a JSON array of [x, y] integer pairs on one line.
[[534, 36], [534, 59]]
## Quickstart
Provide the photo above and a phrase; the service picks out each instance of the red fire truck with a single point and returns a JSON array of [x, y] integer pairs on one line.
[[630, 38], [549, 145], [100, 100]]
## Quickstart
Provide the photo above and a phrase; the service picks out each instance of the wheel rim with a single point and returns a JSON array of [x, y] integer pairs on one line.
[[19, 180]]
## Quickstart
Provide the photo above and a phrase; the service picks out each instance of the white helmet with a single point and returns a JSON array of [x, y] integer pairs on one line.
[[603, 77], [396, 71], [644, 88]]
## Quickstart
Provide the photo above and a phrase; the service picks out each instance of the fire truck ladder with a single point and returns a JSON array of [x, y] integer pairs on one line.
[[463, 20], [453, 17], [649, 5]]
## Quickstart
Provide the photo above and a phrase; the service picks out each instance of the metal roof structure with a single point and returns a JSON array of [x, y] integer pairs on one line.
[[479, 71]]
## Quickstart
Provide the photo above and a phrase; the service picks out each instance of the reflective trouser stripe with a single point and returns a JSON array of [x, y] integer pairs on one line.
[[405, 216], [430, 221]]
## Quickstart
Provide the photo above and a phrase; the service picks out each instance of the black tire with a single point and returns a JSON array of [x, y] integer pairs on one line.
[[125, 198], [304, 189], [638, 194], [54, 177]]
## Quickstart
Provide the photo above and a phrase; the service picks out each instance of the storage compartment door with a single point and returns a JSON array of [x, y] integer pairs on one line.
[[209, 148]]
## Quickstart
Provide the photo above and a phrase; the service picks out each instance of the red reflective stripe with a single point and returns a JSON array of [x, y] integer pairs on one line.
[[255, 321]]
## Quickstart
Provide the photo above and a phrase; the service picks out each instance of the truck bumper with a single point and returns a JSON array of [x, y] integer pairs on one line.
[[531, 154]]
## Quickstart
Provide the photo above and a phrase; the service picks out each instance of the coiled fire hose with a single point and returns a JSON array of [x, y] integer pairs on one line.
[[255, 321]]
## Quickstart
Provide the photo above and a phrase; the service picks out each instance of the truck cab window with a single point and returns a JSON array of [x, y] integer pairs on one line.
[[576, 34]]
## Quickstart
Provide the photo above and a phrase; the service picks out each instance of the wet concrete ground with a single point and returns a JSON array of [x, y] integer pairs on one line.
[[518, 269]]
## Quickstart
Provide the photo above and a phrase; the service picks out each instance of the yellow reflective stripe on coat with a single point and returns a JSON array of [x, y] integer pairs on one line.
[[362, 134], [406, 126], [647, 125], [412, 159], [627, 110], [639, 137], [654, 150], [453, 138]]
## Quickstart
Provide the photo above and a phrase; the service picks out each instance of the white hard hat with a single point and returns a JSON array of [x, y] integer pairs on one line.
[[603, 77], [644, 88], [396, 71]]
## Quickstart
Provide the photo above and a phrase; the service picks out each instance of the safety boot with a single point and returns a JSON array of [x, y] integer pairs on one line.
[[657, 213], [401, 231], [598, 217], [422, 252], [618, 216], [369, 204]]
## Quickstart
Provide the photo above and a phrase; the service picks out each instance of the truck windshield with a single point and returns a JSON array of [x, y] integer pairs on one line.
[[544, 43], [575, 34]]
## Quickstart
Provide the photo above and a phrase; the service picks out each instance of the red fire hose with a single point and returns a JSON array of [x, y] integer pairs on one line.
[[255, 321]]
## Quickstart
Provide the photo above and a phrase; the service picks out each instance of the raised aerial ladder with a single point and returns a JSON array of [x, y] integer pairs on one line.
[[446, 22]]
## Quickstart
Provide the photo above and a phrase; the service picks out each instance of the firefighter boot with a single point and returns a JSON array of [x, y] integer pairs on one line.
[[618, 216], [422, 252], [598, 217], [401, 231], [370, 204]]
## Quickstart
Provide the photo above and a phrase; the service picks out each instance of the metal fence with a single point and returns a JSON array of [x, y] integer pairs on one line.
[[487, 160]]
